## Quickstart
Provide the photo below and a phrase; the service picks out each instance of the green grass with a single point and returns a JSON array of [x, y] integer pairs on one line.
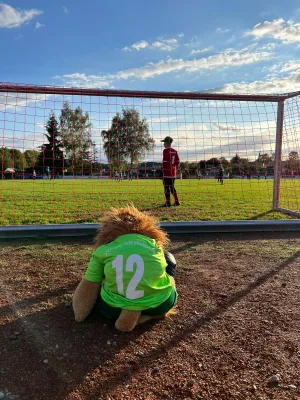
[[76, 201]]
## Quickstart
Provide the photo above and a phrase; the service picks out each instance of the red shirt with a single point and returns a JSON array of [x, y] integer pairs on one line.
[[170, 162]]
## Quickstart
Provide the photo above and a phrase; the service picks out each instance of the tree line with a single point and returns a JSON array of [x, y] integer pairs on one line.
[[238, 165], [69, 148], [68, 143]]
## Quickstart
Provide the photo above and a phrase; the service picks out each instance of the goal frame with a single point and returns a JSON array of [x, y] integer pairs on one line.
[[272, 98]]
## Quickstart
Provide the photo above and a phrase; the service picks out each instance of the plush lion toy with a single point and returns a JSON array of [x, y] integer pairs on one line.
[[130, 277]]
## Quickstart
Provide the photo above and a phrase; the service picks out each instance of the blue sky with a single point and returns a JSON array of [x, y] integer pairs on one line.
[[157, 45], [224, 46]]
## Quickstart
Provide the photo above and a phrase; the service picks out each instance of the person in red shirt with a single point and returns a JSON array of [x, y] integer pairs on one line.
[[170, 162]]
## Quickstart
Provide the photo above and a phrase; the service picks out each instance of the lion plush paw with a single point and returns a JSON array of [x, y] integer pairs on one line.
[[84, 299], [127, 320]]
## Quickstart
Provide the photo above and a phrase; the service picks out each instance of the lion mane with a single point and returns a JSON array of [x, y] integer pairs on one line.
[[121, 221]]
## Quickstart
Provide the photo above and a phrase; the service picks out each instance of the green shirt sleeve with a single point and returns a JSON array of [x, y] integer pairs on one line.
[[95, 269]]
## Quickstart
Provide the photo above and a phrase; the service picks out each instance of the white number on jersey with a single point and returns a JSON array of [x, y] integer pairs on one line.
[[131, 292]]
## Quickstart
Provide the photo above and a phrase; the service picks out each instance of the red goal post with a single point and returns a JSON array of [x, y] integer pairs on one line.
[[255, 134]]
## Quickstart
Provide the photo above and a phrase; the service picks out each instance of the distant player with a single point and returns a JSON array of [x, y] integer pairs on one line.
[[170, 164], [221, 174], [47, 170]]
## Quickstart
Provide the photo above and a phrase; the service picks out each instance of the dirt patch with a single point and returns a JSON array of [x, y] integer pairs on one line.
[[237, 325]]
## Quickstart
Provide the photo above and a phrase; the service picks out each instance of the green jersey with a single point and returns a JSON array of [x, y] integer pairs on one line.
[[133, 271]]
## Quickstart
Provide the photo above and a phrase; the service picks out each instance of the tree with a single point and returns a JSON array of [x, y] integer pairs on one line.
[[202, 165], [224, 162], [31, 157], [264, 160], [6, 160], [75, 131], [213, 162], [128, 138], [235, 160], [294, 156], [239, 164], [16, 158], [51, 154], [294, 161]]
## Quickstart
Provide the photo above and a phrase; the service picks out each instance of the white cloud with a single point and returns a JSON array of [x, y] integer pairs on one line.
[[230, 58], [16, 101], [269, 46], [161, 120], [165, 44], [231, 39], [66, 11], [140, 45], [160, 44], [38, 25], [214, 139], [220, 30], [82, 80], [285, 31], [180, 34], [290, 66], [13, 18], [202, 50], [194, 42], [228, 127], [227, 59], [273, 69], [288, 84]]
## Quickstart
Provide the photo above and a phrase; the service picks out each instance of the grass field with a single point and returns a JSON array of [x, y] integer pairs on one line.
[[79, 200]]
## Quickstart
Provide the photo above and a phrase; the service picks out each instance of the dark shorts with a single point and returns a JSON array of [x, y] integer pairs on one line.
[[108, 311], [169, 181]]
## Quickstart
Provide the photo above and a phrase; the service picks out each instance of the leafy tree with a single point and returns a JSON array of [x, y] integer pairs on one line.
[[193, 165], [51, 154], [264, 160], [128, 138], [14, 158], [236, 159], [224, 162], [294, 156], [238, 164], [75, 131], [294, 161], [202, 165], [213, 162], [31, 157], [6, 160], [244, 163]]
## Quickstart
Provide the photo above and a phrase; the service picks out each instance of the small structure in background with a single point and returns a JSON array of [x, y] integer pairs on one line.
[[10, 172]]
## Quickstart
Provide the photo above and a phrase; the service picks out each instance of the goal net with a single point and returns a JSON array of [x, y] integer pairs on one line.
[[68, 155], [286, 192]]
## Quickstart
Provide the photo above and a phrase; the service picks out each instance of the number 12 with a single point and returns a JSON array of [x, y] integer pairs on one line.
[[131, 292]]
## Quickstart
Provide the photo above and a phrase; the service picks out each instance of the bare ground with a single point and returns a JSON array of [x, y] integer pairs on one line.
[[237, 325]]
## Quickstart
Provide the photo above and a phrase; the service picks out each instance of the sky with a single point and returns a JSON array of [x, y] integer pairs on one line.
[[163, 45]]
